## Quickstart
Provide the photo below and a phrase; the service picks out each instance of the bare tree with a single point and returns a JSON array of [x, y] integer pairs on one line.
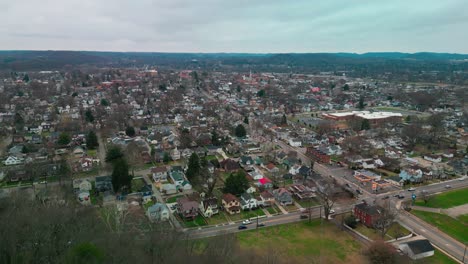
[[386, 219], [325, 196]]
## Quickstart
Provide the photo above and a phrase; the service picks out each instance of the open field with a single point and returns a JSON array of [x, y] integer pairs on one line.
[[301, 242], [446, 200], [457, 229]]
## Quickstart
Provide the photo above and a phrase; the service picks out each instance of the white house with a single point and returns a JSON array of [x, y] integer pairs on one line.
[[294, 169], [12, 160], [293, 142], [417, 249], [255, 175], [158, 212], [175, 154], [248, 201], [433, 158]]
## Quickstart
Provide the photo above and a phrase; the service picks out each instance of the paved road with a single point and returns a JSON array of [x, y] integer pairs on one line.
[[271, 221], [438, 238]]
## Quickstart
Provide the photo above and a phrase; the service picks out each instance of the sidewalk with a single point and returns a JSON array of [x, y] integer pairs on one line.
[[426, 209], [281, 208]]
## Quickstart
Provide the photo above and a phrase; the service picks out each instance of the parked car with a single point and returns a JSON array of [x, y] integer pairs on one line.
[[385, 197], [260, 225], [412, 189], [401, 196], [246, 222], [359, 191], [242, 227], [448, 186], [304, 217], [332, 211]]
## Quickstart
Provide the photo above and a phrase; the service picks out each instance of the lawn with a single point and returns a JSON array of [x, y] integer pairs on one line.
[[446, 200], [211, 157], [91, 152], [173, 199], [148, 204], [438, 258], [198, 221], [217, 219], [290, 208], [452, 227], [246, 215], [271, 210], [137, 184], [301, 242], [306, 203]]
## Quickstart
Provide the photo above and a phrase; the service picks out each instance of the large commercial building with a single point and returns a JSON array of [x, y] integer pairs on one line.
[[375, 118]]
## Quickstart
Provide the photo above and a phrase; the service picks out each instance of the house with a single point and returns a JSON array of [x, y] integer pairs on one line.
[[318, 155], [103, 183], [265, 183], [294, 169], [266, 199], [185, 186], [209, 206], [16, 150], [231, 204], [82, 185], [13, 160], [302, 192], [294, 142], [159, 173], [177, 177], [169, 188], [78, 152], [283, 196], [367, 214], [229, 165], [246, 161], [270, 167], [187, 208], [411, 174], [175, 154], [248, 202], [84, 197], [255, 175], [433, 158], [36, 139], [417, 249], [157, 212]]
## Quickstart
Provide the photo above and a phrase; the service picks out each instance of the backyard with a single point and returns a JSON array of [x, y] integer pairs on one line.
[[395, 231], [456, 228], [446, 200], [302, 241]]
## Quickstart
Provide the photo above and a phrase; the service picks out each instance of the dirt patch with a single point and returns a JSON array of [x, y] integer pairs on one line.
[[456, 211]]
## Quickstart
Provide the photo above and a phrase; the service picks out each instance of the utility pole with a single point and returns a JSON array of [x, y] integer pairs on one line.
[[464, 253]]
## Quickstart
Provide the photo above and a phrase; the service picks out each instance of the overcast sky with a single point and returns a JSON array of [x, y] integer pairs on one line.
[[235, 25]]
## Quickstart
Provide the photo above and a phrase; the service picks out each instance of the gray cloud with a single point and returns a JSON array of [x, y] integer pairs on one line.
[[236, 26]]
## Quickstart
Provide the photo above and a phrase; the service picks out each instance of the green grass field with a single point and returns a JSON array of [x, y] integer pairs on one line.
[[446, 200], [457, 229], [438, 258], [301, 242]]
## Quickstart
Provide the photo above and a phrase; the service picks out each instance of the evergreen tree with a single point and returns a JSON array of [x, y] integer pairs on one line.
[[19, 122], [64, 138], [361, 103], [121, 178], [365, 125], [284, 120], [104, 102], [89, 116], [246, 120], [193, 167], [346, 87], [261, 93], [91, 140], [236, 183], [130, 131], [113, 153], [166, 157], [26, 78], [240, 131], [214, 138]]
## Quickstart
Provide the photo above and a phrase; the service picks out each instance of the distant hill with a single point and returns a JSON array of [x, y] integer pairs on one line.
[[49, 60]]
